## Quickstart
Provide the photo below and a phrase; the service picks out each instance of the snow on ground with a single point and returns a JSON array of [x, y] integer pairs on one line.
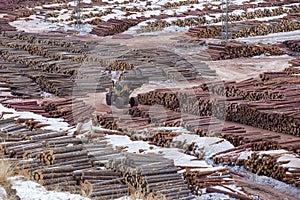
[[2, 15], [264, 56], [29, 190], [210, 145], [37, 25], [3, 193], [56, 124]]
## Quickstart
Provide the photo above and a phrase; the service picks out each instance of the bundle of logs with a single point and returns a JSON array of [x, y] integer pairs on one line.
[[218, 179], [102, 184], [258, 140], [5, 26], [270, 85], [70, 109], [294, 68], [162, 138], [151, 175], [247, 29], [294, 45], [114, 26], [279, 164], [235, 50], [27, 106]]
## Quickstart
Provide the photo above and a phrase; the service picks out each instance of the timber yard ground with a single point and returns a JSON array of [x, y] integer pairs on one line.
[[208, 118]]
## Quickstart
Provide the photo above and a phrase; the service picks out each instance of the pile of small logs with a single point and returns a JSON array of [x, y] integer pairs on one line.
[[5, 26], [258, 140], [58, 84], [71, 110], [278, 164], [274, 115], [193, 101], [151, 174], [235, 50], [278, 87], [108, 121], [113, 26], [102, 184], [247, 29], [294, 67], [205, 31], [162, 138], [211, 180], [293, 44], [27, 106], [194, 150], [274, 110]]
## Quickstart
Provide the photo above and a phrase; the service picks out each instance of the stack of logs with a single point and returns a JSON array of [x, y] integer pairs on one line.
[[279, 164], [246, 29], [58, 160], [27, 106], [235, 50], [162, 138], [70, 109], [294, 45], [152, 174], [213, 180], [114, 26], [275, 111], [294, 68]]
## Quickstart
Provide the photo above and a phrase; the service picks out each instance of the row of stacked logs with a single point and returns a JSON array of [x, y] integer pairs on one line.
[[71, 110], [278, 164], [294, 45], [114, 26], [213, 180], [235, 50], [201, 20], [247, 29], [294, 68], [152, 175]]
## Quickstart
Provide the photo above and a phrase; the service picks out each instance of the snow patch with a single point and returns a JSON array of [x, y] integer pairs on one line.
[[30, 190]]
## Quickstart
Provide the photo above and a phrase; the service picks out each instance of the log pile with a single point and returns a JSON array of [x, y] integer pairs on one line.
[[235, 50], [71, 110], [5, 26], [279, 116], [212, 180], [102, 184], [162, 138], [243, 29], [113, 26], [278, 164], [270, 85], [294, 45], [58, 160], [274, 110], [27, 106], [205, 31], [152, 174], [294, 68], [258, 140]]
